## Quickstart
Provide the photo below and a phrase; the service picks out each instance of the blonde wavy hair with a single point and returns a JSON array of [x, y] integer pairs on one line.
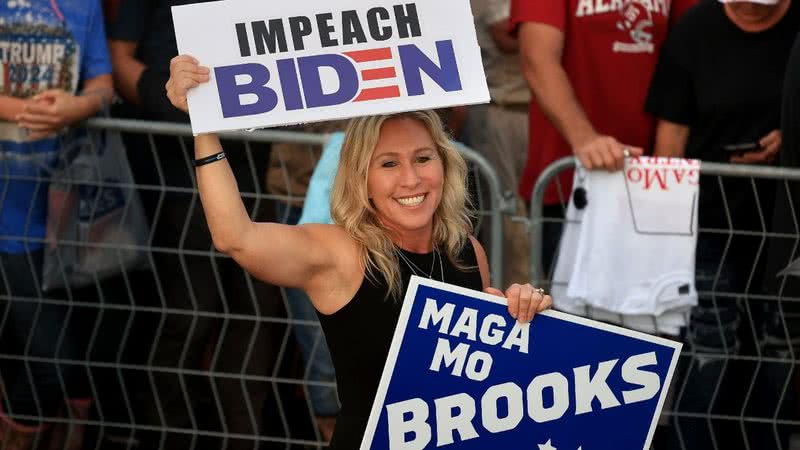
[[352, 209]]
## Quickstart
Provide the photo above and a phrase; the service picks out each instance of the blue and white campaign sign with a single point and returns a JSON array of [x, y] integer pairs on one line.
[[285, 62], [461, 373]]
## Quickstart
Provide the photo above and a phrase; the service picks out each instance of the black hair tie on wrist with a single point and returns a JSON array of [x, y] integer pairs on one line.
[[208, 159]]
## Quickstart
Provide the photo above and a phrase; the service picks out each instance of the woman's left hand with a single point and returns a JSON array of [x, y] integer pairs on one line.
[[524, 301]]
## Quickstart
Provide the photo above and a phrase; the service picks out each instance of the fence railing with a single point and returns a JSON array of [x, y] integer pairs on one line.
[[188, 351]]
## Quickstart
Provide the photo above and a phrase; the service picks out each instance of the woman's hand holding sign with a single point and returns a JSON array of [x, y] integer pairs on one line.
[[185, 74], [524, 300]]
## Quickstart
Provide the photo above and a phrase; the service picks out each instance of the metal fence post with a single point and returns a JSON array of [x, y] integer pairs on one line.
[[496, 211], [537, 213]]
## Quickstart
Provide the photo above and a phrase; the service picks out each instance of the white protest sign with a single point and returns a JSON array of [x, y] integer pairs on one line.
[[277, 63]]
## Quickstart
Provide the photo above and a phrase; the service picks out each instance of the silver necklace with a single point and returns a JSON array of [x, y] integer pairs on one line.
[[415, 268]]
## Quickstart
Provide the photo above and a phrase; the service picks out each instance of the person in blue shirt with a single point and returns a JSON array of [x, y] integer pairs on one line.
[[54, 72]]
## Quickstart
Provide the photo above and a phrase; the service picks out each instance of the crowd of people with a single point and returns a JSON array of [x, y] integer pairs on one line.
[[714, 80]]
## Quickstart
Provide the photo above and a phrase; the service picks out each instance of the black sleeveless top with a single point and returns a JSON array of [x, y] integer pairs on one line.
[[359, 336]]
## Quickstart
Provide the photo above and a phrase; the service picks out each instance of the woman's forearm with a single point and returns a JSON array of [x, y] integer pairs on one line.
[[225, 213]]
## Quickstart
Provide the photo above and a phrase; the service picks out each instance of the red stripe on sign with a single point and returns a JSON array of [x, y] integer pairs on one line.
[[376, 54], [378, 74], [378, 93]]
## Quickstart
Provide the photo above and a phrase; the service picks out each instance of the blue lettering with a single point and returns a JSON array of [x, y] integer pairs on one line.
[[290, 85], [414, 62], [230, 92], [312, 83]]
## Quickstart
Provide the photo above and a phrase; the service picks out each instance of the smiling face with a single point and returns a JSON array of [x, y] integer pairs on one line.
[[405, 180]]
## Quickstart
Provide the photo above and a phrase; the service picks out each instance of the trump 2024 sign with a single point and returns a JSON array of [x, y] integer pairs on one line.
[[461, 373], [284, 62]]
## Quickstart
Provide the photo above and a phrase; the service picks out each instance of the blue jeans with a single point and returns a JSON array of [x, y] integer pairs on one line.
[[713, 381], [33, 329], [307, 331]]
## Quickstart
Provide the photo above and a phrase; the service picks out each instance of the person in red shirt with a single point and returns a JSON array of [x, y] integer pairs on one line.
[[589, 65]]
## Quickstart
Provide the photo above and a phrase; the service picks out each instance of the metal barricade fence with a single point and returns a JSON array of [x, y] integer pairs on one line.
[[186, 351], [737, 384]]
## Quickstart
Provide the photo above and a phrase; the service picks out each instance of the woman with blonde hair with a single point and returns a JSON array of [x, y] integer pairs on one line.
[[399, 204]]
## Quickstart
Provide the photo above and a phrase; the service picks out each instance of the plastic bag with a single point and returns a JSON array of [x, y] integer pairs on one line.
[[96, 225]]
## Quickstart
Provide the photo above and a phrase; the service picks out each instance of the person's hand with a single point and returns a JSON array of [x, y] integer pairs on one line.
[[185, 73], [51, 111], [770, 146], [524, 301], [604, 152]]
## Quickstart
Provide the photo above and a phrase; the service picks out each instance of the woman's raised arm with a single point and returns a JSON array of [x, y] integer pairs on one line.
[[292, 256], [285, 255]]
